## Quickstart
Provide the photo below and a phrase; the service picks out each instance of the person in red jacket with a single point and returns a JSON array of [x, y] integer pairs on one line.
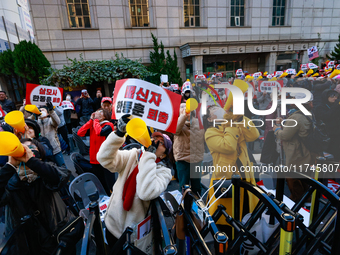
[[100, 127]]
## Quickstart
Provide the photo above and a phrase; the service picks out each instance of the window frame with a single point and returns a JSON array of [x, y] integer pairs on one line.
[[135, 5], [285, 7], [232, 8], [76, 17], [196, 6]]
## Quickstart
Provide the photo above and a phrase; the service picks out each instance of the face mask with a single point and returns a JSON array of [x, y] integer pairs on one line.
[[68, 98], [43, 115], [186, 95], [219, 113]]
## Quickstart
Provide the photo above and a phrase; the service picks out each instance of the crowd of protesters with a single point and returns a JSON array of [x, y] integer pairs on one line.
[[33, 182]]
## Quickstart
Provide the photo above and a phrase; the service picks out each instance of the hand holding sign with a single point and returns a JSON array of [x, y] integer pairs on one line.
[[158, 107]]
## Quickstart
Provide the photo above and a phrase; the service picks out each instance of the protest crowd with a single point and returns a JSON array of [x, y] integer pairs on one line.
[[134, 172]]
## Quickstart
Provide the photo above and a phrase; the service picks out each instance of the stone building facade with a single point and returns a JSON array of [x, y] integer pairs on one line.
[[208, 35]]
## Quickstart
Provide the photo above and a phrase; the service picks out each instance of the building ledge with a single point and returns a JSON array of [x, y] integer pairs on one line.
[[141, 28], [239, 27], [80, 28], [255, 42], [193, 28], [278, 26]]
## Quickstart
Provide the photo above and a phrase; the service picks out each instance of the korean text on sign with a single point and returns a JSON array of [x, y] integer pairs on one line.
[[146, 101]]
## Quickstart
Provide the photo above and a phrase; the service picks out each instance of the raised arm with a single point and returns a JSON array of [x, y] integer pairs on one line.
[[222, 142], [109, 155], [152, 179]]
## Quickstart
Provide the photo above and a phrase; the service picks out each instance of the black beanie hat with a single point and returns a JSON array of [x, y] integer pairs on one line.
[[33, 124]]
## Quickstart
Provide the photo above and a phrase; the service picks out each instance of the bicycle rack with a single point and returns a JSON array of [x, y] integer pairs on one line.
[[311, 237], [286, 220]]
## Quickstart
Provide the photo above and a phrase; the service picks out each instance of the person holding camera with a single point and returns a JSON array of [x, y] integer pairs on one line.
[[86, 104], [49, 121]]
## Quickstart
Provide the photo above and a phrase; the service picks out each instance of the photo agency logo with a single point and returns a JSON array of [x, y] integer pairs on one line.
[[279, 105]]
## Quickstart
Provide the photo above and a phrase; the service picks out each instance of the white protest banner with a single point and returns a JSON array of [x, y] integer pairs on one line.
[[40, 94], [186, 86], [277, 74], [257, 75], [268, 85], [290, 71], [304, 67], [312, 66], [313, 52], [164, 78], [158, 107], [239, 72], [219, 74], [330, 64], [67, 105], [200, 77]]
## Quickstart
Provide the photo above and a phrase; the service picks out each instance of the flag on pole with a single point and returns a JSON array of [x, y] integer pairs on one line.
[[313, 52]]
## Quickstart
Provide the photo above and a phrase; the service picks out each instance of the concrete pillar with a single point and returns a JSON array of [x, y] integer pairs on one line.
[[305, 58], [197, 65], [272, 62]]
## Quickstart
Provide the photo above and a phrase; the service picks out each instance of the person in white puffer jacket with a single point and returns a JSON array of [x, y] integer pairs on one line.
[[143, 176]]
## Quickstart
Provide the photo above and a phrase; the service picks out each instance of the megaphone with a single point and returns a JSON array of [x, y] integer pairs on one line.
[[191, 105], [10, 145], [315, 75], [32, 108], [334, 73], [273, 79], [283, 75], [242, 85], [309, 73], [136, 128], [16, 120], [300, 72], [248, 77], [259, 78]]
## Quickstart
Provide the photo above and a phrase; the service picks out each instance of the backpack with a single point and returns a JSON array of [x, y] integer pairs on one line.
[[47, 146], [316, 141]]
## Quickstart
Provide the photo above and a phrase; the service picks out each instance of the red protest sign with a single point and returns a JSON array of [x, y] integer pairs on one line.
[[40, 94], [158, 107], [268, 85]]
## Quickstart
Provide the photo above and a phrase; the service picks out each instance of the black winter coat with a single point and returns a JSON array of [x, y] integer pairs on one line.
[[318, 88], [86, 105], [39, 197], [7, 105], [330, 115]]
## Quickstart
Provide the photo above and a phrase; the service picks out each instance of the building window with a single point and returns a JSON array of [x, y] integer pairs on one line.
[[191, 13], [78, 13], [237, 13], [139, 11], [278, 18]]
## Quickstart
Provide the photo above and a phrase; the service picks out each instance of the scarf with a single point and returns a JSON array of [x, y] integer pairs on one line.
[[130, 186], [26, 174]]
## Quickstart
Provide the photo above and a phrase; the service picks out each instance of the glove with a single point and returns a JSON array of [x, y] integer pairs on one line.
[[49, 106], [121, 125], [153, 147]]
